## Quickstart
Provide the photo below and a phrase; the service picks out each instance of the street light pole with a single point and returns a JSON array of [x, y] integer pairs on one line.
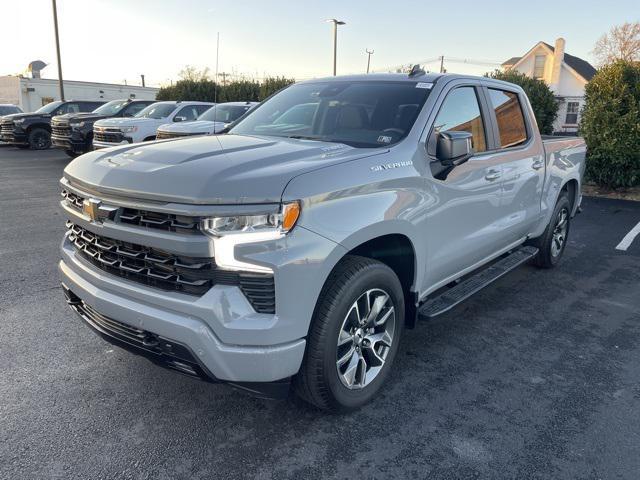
[[55, 27], [369, 53], [335, 41]]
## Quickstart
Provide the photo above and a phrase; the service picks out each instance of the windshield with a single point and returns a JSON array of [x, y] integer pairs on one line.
[[9, 109], [224, 113], [110, 108], [360, 114], [157, 110], [49, 107]]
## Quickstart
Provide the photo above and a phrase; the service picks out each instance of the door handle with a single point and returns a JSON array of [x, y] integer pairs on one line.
[[492, 175], [537, 165]]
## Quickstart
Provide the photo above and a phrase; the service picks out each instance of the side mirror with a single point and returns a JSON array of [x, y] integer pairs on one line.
[[179, 119], [454, 148]]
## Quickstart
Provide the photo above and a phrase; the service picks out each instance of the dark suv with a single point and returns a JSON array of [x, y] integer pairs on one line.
[[33, 130], [73, 132]]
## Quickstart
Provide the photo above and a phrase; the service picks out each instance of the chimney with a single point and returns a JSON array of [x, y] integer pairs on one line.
[[558, 58]]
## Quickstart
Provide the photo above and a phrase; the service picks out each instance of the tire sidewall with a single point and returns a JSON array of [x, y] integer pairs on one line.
[[32, 136], [376, 276], [563, 202]]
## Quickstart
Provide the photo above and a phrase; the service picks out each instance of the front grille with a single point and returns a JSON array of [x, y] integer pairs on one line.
[[160, 135], [109, 136], [161, 350], [160, 269], [6, 129], [144, 218], [61, 129]]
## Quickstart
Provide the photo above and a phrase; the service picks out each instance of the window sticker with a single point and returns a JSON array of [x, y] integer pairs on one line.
[[384, 139], [426, 85]]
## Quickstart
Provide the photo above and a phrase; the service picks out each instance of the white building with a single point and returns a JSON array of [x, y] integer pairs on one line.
[[32, 93], [565, 74]]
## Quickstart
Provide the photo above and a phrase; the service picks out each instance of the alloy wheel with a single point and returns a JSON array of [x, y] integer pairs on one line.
[[365, 338], [559, 236]]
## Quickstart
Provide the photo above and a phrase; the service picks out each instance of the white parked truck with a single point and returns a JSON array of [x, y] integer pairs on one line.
[[214, 120], [112, 132]]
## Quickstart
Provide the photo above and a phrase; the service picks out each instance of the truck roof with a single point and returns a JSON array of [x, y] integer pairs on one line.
[[428, 77]]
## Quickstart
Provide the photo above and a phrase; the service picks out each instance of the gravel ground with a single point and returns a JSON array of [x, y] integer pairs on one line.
[[537, 376]]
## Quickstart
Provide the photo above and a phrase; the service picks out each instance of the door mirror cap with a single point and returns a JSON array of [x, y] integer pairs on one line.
[[454, 148], [179, 119]]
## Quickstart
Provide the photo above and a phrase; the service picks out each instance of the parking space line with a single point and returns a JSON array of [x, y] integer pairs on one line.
[[628, 238]]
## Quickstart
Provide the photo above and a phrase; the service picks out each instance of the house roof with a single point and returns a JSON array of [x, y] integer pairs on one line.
[[511, 61], [582, 67]]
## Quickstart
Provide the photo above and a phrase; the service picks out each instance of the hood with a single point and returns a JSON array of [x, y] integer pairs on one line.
[[84, 116], [124, 122], [223, 169], [16, 116], [197, 126]]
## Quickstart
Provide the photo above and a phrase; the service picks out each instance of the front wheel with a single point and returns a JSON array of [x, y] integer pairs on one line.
[[71, 153], [354, 336], [39, 139], [554, 239]]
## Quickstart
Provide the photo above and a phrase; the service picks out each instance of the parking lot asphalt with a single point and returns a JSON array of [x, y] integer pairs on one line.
[[537, 376]]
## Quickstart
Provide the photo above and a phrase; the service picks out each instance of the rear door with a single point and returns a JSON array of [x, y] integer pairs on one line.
[[464, 228], [522, 159]]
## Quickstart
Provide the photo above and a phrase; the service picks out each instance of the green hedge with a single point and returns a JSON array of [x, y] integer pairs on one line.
[[545, 107], [611, 125], [204, 90]]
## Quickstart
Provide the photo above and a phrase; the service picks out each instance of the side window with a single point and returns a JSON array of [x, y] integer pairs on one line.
[[509, 117], [189, 113], [133, 109], [460, 112], [200, 109]]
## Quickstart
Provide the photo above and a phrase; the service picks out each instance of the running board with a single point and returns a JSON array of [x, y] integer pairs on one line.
[[452, 297]]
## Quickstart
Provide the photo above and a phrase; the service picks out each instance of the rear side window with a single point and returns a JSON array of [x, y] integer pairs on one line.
[[460, 112], [509, 117]]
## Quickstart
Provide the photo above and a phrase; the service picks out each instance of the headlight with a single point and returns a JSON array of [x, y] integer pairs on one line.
[[227, 232], [128, 129], [77, 125], [279, 223], [18, 121]]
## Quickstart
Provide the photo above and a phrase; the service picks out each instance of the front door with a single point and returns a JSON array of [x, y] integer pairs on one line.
[[464, 228]]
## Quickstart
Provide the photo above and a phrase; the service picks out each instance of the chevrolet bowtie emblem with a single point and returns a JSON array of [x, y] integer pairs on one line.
[[91, 208]]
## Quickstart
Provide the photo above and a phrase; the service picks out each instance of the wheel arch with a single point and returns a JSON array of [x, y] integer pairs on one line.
[[395, 249]]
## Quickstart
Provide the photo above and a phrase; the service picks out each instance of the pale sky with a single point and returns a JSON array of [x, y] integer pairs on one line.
[[113, 40]]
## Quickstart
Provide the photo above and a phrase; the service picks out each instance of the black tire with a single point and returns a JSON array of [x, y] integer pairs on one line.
[[319, 381], [550, 251], [39, 139], [71, 153]]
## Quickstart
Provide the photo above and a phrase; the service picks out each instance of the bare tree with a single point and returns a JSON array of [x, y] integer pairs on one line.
[[621, 43]]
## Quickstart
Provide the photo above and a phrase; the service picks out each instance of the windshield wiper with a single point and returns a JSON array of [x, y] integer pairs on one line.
[[306, 137]]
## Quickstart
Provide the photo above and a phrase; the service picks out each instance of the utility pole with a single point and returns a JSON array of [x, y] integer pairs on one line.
[[369, 53], [442, 64], [142, 77], [335, 41], [55, 27]]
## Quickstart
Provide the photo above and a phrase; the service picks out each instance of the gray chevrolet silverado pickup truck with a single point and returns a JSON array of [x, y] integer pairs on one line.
[[292, 251]]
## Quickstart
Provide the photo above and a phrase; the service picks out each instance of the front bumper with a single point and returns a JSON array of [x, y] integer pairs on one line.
[[70, 142], [15, 137], [173, 316]]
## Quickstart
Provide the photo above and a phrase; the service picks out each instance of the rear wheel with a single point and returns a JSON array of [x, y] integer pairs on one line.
[[39, 139], [354, 336], [554, 239]]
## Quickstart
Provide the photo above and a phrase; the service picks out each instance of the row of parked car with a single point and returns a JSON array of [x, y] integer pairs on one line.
[[80, 126]]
